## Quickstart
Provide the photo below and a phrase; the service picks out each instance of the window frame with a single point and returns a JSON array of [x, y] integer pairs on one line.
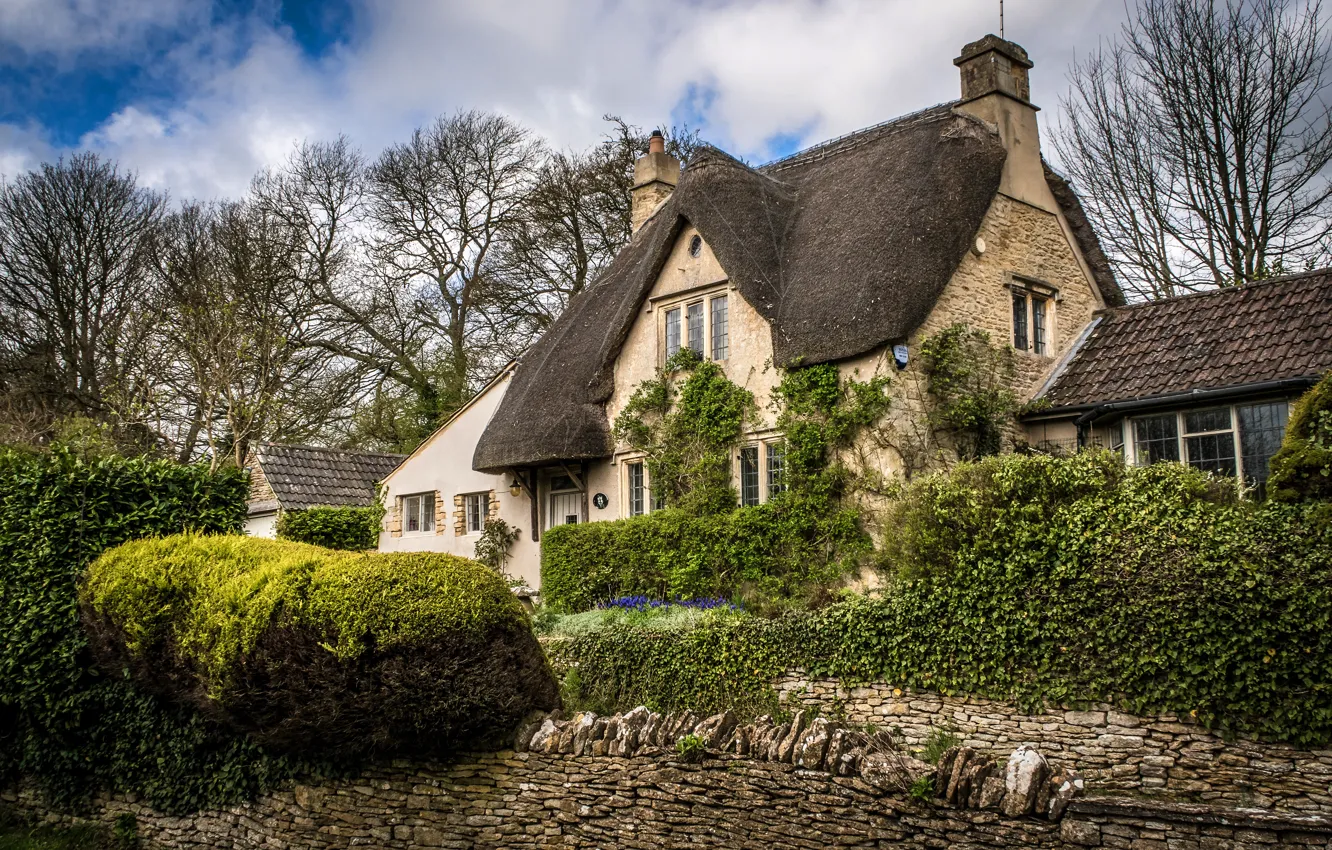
[[1242, 473], [636, 492], [425, 518], [1037, 338], [711, 332], [481, 501], [746, 501]]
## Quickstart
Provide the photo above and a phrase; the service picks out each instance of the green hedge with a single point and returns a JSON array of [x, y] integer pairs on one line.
[[354, 529], [1041, 580], [1302, 469], [64, 725], [311, 650], [779, 550]]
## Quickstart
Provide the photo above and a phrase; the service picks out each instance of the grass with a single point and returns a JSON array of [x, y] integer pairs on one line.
[[52, 838]]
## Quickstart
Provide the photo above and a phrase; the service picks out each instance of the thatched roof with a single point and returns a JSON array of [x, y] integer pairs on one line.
[[842, 248]]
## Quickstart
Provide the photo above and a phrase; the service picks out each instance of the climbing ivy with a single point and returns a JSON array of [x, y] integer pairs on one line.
[[1043, 581], [687, 430], [970, 382]]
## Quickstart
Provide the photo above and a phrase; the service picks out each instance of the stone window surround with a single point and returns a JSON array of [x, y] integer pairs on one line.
[[1028, 287], [460, 511]]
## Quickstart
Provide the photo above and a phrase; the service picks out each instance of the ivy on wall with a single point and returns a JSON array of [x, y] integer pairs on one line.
[[686, 430], [1302, 468], [1043, 581]]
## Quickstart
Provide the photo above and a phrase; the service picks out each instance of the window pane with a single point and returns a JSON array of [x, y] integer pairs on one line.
[[1038, 325], [1156, 439], [720, 322], [672, 332], [1201, 421], [1261, 428], [428, 512], [475, 504], [411, 508], [1020, 321], [1117, 438], [1214, 453], [749, 476], [696, 326], [635, 489], [776, 465]]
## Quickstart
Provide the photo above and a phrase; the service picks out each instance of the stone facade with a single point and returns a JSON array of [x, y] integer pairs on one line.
[[528, 800], [1164, 756]]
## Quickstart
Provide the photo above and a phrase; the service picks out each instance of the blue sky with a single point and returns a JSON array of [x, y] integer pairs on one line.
[[197, 95]]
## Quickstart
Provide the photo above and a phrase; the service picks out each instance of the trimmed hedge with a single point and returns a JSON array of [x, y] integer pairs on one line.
[[1302, 469], [317, 651], [354, 529], [1043, 581], [64, 725], [779, 550]]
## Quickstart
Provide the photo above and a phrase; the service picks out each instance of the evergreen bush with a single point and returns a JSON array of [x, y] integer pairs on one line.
[[1302, 468], [1042, 581], [315, 651], [63, 725], [355, 529]]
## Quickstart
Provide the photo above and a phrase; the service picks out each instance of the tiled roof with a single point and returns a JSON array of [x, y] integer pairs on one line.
[[306, 477], [1270, 331]]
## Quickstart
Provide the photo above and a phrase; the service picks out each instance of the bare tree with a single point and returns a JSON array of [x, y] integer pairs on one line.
[[78, 306], [578, 219], [1201, 140], [236, 314]]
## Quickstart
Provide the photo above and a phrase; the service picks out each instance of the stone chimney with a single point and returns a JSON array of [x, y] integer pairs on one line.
[[655, 176], [995, 89]]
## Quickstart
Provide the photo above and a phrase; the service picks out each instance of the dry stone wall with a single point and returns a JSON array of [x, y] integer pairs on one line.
[[526, 801], [1165, 756]]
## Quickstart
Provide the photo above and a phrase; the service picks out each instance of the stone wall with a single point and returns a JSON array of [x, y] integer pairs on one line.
[[529, 800], [1166, 756]]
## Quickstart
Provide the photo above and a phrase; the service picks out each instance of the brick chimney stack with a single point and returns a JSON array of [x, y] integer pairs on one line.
[[656, 174], [996, 89]]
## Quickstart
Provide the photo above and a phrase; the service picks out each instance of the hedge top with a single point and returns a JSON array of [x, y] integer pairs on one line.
[[214, 596]]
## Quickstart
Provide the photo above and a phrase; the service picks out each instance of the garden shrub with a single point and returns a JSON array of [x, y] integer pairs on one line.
[[354, 529], [1043, 581], [1302, 469], [63, 725], [763, 554], [316, 651]]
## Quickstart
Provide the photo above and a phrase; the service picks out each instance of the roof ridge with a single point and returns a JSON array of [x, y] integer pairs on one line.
[[843, 142], [304, 447], [1221, 290]]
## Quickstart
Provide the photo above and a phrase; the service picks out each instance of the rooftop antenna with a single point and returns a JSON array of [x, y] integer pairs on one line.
[[1001, 18]]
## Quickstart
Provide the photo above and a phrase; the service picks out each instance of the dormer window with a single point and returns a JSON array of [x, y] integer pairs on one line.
[[700, 322], [1033, 308]]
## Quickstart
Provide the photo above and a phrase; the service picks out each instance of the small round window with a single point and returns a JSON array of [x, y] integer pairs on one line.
[[696, 245]]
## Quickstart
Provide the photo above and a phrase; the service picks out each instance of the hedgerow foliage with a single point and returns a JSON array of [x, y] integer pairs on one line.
[[1302, 469], [801, 540], [354, 529], [312, 650], [64, 725], [1041, 580]]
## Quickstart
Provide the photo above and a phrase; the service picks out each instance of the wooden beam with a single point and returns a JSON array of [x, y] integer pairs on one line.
[[533, 488], [587, 508], [574, 476]]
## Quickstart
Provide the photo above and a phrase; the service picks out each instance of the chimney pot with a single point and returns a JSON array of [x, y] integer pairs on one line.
[[657, 142]]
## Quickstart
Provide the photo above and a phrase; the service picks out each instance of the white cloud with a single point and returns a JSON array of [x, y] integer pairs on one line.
[[812, 67], [65, 28]]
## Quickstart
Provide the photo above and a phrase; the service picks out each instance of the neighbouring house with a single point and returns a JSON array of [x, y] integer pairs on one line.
[[292, 478], [1204, 379], [437, 503]]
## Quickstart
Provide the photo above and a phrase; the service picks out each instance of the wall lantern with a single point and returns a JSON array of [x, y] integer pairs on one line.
[[515, 489]]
